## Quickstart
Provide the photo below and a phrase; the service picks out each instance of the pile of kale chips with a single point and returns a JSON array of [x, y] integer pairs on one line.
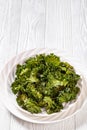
[[44, 81]]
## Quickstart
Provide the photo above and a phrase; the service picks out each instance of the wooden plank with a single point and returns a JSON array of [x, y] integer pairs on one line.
[[19, 124], [51, 24], [9, 27], [81, 116], [32, 25], [5, 115], [64, 25]]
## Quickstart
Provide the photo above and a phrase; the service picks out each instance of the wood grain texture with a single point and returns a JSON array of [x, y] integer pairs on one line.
[[81, 117], [26, 24], [32, 30]]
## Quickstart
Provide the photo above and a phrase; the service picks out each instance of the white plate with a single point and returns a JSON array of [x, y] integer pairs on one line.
[[8, 98]]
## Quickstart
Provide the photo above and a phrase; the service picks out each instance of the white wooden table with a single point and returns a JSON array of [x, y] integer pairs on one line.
[[26, 24]]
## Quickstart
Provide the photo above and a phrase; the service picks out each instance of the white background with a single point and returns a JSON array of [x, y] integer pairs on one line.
[[26, 24]]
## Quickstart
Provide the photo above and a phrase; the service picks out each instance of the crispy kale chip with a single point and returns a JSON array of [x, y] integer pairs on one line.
[[44, 81]]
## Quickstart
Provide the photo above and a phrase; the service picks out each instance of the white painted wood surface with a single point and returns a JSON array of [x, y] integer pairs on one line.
[[26, 24]]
